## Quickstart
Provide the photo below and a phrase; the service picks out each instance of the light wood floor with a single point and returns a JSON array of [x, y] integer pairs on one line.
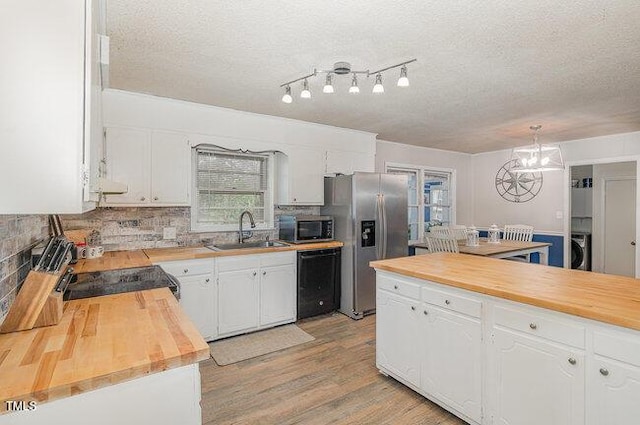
[[332, 380]]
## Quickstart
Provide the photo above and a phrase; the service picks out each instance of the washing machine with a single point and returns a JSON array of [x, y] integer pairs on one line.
[[581, 251]]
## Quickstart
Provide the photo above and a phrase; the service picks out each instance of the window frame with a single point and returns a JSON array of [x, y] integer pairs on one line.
[[420, 170], [269, 206]]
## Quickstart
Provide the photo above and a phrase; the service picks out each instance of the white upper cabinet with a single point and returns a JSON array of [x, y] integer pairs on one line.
[[300, 177], [345, 162], [581, 202], [51, 130], [155, 165]]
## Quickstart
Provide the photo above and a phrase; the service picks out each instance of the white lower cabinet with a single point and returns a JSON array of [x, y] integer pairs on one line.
[[198, 293], [451, 370], [493, 361], [398, 336], [536, 382], [237, 301], [277, 295]]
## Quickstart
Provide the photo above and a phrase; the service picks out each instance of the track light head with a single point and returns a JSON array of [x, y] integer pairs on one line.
[[286, 98], [328, 87], [305, 93], [354, 89], [403, 81], [378, 87]]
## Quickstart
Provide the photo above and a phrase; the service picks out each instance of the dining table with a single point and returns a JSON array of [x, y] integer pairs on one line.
[[503, 249]]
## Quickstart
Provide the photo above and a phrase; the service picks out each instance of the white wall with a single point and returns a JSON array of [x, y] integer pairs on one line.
[[460, 162], [127, 109]]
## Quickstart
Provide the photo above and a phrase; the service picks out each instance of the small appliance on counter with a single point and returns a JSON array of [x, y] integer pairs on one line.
[[305, 228]]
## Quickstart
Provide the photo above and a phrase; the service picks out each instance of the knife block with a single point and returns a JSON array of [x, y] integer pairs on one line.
[[37, 303]]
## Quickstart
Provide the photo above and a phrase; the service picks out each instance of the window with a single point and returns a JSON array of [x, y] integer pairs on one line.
[[431, 197], [227, 183]]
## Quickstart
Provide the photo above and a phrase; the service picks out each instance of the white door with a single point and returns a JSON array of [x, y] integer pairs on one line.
[[398, 336], [614, 393], [237, 301], [129, 161], [170, 168], [536, 382], [451, 366], [277, 295], [306, 177], [620, 227], [198, 299]]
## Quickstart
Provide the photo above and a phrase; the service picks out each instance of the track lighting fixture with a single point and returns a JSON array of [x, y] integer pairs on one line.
[[354, 89], [287, 95], [305, 93], [344, 68], [403, 81], [378, 87]]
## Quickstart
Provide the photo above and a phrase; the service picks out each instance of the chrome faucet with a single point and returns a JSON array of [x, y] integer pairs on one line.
[[241, 238]]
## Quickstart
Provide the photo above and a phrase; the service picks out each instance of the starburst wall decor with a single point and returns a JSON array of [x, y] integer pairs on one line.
[[517, 187]]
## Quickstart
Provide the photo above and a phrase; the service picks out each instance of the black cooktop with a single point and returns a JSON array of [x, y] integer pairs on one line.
[[95, 284]]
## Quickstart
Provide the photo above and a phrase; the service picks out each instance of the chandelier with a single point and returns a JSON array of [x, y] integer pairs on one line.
[[537, 157], [344, 68]]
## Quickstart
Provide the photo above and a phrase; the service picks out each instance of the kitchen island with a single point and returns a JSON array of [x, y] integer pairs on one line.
[[127, 358], [505, 342]]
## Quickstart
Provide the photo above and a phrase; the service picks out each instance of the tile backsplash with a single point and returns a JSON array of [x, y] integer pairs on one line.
[[18, 234], [140, 228]]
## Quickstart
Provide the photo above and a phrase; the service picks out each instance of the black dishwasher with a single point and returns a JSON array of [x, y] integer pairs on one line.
[[318, 281]]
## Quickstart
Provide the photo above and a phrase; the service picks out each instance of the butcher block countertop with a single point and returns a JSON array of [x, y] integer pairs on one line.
[[113, 260], [158, 255], [605, 298], [99, 342]]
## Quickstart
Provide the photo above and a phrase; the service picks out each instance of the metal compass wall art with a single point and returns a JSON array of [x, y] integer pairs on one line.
[[517, 187]]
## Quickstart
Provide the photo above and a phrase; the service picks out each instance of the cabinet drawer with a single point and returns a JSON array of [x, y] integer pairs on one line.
[[398, 286], [617, 346], [540, 325], [278, 259], [464, 305], [187, 268]]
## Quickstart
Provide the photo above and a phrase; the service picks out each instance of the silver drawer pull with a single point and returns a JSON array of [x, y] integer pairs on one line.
[[395, 286], [185, 271], [447, 302], [572, 360], [413, 307], [425, 312], [207, 280], [264, 273], [255, 273], [533, 326], [604, 372]]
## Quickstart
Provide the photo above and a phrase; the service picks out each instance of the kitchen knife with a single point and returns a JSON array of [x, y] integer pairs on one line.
[[64, 280], [63, 256], [56, 255], [44, 254]]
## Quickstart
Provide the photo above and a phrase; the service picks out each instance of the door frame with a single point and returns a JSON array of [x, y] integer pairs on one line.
[[567, 201]]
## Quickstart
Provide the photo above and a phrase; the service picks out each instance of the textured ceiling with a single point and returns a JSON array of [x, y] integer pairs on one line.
[[486, 70]]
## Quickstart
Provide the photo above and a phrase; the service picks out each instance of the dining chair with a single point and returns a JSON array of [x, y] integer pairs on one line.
[[518, 232], [438, 230], [442, 243], [459, 232]]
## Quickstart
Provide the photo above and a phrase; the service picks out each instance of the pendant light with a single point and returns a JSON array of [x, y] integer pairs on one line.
[[537, 157], [378, 87]]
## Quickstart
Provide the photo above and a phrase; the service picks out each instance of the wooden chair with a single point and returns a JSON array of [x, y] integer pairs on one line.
[[442, 243], [518, 232]]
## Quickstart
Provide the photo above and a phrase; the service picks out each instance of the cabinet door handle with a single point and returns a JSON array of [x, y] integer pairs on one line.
[[155, 198], [571, 360], [143, 198], [425, 312], [533, 326], [255, 273], [447, 302], [185, 271], [603, 371], [413, 307], [395, 286], [207, 280], [264, 273]]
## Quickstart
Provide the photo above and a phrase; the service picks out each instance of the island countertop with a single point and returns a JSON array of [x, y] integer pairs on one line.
[[605, 298], [99, 342]]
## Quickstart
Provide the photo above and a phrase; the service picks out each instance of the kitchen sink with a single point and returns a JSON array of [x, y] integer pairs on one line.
[[246, 245]]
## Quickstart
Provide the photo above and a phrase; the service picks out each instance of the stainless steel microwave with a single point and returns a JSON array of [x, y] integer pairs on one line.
[[306, 228]]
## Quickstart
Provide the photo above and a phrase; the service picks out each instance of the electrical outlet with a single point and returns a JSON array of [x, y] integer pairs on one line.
[[169, 233]]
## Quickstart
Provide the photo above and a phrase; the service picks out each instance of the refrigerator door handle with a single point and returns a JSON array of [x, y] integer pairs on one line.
[[378, 217], [384, 227]]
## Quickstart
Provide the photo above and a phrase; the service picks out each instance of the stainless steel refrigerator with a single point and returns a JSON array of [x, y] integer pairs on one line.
[[370, 218]]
